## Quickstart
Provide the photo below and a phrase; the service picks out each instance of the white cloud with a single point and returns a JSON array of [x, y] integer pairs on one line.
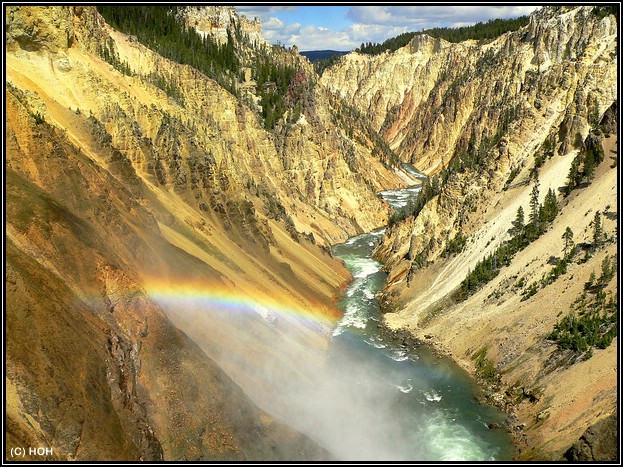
[[311, 38], [373, 32], [278, 32], [273, 23], [424, 17]]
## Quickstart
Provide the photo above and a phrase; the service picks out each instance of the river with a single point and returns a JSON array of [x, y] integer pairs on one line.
[[423, 406]]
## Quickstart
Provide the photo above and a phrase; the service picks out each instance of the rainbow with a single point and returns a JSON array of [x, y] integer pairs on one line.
[[225, 300]]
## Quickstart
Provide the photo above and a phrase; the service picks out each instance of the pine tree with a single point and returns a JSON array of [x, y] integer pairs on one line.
[[575, 177], [597, 230], [534, 205], [518, 223], [550, 206], [594, 146], [568, 238], [589, 166], [594, 116], [607, 271]]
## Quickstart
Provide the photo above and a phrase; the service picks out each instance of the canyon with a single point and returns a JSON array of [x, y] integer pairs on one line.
[[168, 246]]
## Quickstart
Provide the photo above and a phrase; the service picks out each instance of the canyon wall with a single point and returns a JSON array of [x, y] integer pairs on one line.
[[482, 118], [158, 236], [432, 99]]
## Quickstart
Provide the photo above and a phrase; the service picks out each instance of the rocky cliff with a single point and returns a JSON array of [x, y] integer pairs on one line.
[[217, 20], [519, 95], [158, 235], [487, 107], [485, 120], [94, 369], [433, 99], [598, 443]]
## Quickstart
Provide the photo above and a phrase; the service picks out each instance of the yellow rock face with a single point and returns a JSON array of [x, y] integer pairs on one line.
[[168, 239]]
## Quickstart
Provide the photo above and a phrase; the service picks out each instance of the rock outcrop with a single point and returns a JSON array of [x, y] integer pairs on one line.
[[217, 20], [598, 443]]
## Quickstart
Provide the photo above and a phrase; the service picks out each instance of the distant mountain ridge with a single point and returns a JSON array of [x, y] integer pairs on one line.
[[316, 55]]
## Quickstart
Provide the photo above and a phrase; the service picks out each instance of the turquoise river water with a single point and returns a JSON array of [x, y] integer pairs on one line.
[[423, 406]]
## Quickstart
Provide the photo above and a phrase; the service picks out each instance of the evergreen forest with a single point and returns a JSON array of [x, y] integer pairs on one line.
[[479, 31]]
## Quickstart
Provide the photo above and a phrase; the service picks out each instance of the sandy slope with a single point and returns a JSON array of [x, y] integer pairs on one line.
[[513, 331]]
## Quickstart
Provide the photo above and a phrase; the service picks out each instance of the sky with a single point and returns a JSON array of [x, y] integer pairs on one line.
[[345, 27]]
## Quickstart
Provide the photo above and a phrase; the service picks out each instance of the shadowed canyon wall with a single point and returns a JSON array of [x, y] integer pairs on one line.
[[136, 219]]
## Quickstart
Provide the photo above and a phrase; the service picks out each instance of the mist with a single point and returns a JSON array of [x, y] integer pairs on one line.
[[356, 392], [358, 401], [327, 399]]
